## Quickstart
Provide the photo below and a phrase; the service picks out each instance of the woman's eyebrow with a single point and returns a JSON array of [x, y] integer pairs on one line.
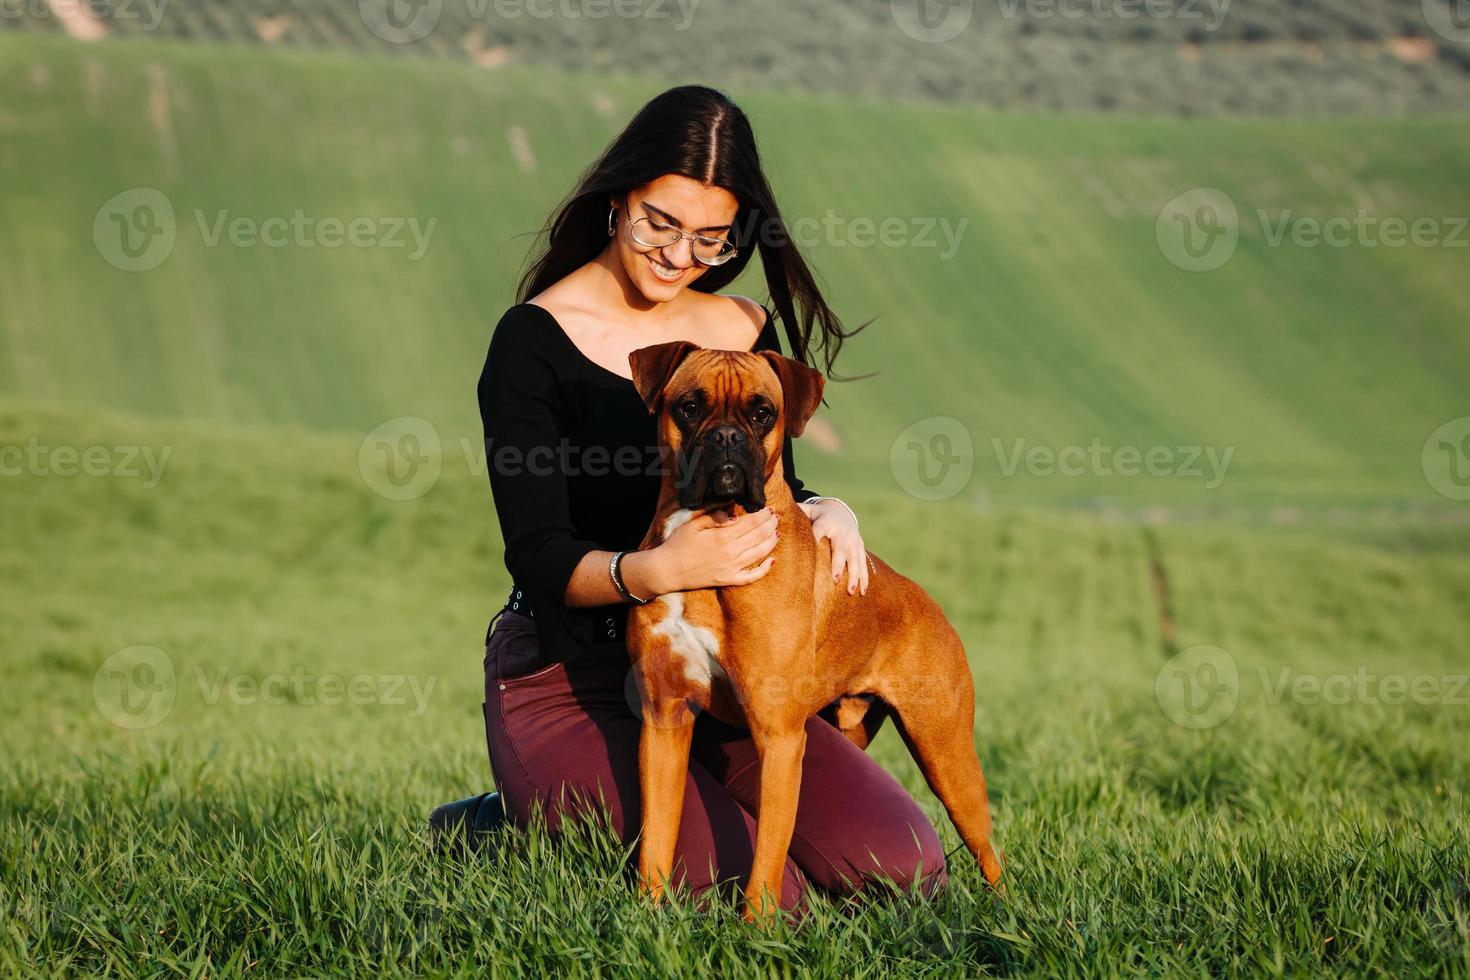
[[660, 212]]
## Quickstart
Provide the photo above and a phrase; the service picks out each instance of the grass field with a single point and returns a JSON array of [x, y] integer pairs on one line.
[[283, 835], [1056, 321], [240, 676]]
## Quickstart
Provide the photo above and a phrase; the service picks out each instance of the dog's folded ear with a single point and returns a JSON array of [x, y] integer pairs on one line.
[[654, 366], [801, 390]]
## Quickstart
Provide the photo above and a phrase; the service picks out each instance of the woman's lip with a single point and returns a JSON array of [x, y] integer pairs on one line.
[[657, 267]]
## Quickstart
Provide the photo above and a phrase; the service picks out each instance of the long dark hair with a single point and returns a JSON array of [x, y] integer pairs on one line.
[[696, 132]]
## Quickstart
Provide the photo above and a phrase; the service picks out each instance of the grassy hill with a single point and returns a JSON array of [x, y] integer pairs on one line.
[[257, 824], [1055, 319], [1173, 57]]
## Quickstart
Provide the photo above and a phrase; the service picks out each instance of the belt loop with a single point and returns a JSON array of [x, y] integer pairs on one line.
[[491, 628]]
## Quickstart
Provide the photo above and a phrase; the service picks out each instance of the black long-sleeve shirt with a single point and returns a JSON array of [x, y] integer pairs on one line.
[[574, 467]]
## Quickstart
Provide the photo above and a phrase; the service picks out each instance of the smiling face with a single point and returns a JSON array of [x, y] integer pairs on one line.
[[670, 202], [724, 416]]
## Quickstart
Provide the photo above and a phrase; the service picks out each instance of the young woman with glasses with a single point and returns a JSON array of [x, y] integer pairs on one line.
[[668, 216]]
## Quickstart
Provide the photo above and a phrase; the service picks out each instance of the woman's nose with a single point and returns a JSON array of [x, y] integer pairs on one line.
[[680, 254]]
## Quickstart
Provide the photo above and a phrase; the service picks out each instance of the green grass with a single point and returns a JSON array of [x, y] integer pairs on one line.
[[287, 839], [1057, 322], [285, 836]]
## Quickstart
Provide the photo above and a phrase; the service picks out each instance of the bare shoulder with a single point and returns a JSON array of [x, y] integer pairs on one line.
[[731, 322], [558, 299], [567, 302]]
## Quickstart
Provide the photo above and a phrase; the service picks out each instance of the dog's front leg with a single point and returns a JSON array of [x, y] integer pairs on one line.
[[780, 754], [663, 765]]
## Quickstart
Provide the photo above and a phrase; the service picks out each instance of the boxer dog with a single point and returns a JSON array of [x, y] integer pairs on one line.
[[770, 655]]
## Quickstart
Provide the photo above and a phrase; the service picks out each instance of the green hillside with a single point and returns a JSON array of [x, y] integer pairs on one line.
[[1057, 321], [230, 813], [1170, 57]]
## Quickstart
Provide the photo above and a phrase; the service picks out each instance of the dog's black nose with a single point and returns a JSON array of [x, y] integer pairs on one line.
[[726, 436]]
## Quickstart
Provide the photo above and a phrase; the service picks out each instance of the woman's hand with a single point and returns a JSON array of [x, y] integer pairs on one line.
[[712, 550], [832, 520]]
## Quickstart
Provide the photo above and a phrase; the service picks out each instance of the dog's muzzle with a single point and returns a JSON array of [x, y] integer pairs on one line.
[[723, 468]]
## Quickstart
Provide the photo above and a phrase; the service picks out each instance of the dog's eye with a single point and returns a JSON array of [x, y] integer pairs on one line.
[[689, 408], [763, 415]]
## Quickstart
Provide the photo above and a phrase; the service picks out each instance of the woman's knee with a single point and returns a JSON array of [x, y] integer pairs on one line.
[[903, 854], [930, 873], [857, 824]]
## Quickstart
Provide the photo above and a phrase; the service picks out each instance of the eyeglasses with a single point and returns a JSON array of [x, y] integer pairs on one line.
[[652, 233]]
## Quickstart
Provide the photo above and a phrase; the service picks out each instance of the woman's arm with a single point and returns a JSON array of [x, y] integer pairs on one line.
[[524, 419], [705, 552]]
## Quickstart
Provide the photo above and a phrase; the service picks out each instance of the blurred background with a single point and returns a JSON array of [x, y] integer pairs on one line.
[[1168, 407]]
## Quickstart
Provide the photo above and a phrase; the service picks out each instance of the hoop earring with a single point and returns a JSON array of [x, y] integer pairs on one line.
[[612, 222]]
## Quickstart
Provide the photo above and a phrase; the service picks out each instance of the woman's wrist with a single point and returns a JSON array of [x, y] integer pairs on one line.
[[645, 573], [837, 501]]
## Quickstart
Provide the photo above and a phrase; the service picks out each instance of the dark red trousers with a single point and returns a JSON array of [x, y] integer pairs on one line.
[[564, 741]]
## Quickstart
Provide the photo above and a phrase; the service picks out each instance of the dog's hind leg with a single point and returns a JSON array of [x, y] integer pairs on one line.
[[937, 722], [857, 716]]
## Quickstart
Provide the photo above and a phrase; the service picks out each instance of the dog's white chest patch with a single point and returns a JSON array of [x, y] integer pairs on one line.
[[696, 647], [676, 520]]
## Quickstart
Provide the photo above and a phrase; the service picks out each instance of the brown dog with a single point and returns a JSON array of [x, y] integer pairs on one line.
[[771, 654]]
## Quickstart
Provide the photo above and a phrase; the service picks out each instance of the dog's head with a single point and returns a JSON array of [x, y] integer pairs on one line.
[[723, 416]]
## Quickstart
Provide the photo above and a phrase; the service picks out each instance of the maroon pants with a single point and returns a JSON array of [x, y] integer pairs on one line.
[[564, 742]]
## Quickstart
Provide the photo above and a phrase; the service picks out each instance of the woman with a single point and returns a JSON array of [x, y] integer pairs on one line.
[[671, 213]]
